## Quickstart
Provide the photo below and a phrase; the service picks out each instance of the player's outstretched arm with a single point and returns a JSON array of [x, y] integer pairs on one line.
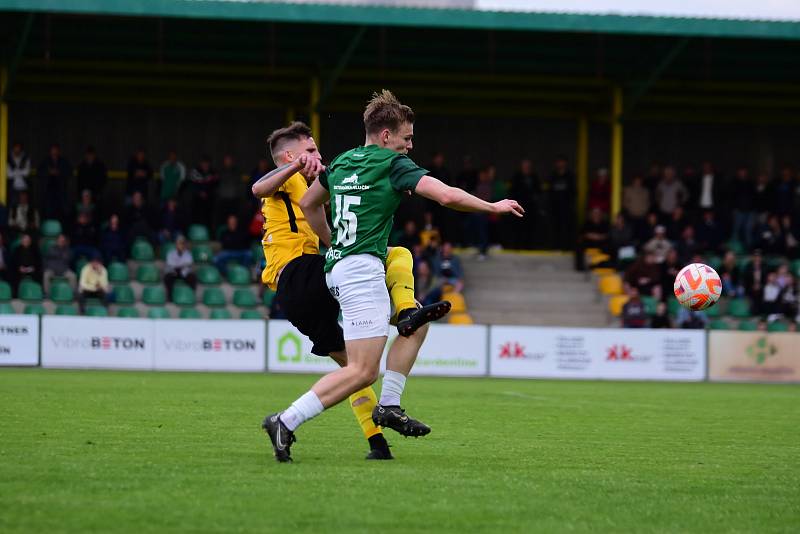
[[458, 199], [313, 206], [268, 185]]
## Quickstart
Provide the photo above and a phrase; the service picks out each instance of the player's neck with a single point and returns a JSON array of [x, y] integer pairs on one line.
[[372, 141]]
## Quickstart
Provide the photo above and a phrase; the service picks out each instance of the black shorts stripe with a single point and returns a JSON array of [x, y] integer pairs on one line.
[[292, 218]]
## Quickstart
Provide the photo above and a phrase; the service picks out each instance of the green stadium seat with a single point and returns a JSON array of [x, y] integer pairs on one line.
[[141, 250], [67, 309], [742, 263], [238, 275], [251, 315], [777, 326], [159, 312], [715, 262], [208, 275], [96, 311], [61, 292], [213, 297], [45, 244], [123, 294], [154, 296], [80, 263], [202, 253], [650, 305], [118, 272], [165, 249], [714, 312], [5, 291], [6, 308], [220, 313], [198, 232], [190, 313], [748, 325], [773, 262], [51, 228], [257, 250], [244, 298], [719, 324], [735, 246], [34, 309], [30, 291], [147, 273], [128, 311], [183, 295], [739, 308], [673, 306]]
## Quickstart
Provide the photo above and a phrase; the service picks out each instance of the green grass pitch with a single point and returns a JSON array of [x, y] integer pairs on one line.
[[85, 451]]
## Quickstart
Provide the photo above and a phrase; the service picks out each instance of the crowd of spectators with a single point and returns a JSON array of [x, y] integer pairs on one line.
[[99, 225]]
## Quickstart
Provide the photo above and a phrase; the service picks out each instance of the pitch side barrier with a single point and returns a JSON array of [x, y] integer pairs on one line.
[[450, 350]]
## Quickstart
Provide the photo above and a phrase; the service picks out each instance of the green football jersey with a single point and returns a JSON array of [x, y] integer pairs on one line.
[[366, 185]]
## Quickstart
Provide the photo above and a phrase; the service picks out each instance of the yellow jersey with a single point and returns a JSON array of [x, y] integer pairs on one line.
[[287, 234]]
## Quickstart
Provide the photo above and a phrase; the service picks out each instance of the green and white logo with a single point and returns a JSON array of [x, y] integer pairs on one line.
[[761, 350], [290, 348]]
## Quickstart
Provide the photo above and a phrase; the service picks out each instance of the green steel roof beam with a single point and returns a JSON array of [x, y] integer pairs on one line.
[[654, 76], [13, 66], [344, 59]]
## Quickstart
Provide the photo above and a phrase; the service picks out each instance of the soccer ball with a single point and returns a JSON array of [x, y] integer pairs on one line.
[[697, 286]]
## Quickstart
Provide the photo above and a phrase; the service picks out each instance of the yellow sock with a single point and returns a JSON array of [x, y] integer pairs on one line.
[[400, 278], [363, 402]]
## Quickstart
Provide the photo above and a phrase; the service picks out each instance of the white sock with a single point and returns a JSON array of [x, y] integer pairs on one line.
[[301, 410], [392, 388]]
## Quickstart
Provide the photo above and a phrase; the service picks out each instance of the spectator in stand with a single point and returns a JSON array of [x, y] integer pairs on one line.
[[600, 192], [675, 224], [763, 199], [449, 268], [778, 298], [771, 239], [645, 276], [231, 191], [791, 237], [688, 246], [621, 241], [636, 202], [593, 235], [172, 172], [203, 181], [92, 174], [427, 287], [86, 205], [138, 219], [659, 245], [19, 169], [26, 261], [256, 227], [170, 227], [478, 223], [729, 274], [262, 168], [646, 232], [53, 175], [410, 236], [633, 312], [179, 266], [57, 261], [652, 178], [561, 186], [784, 192], [743, 193], [467, 179], [140, 172], [5, 262], [669, 271], [695, 320], [93, 283], [113, 243], [429, 231], [527, 190], [709, 233], [235, 246], [437, 169], [661, 318], [707, 192], [84, 238], [431, 252], [23, 217], [670, 192], [754, 279]]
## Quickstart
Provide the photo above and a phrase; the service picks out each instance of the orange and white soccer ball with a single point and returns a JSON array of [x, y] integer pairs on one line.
[[697, 286]]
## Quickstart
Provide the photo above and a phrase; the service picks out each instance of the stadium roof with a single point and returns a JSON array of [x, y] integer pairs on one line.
[[348, 13]]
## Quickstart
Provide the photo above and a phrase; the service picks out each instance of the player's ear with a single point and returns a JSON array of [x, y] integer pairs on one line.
[[385, 134], [289, 155]]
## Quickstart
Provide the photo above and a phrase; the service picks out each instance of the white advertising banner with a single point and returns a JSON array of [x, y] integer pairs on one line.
[[19, 340], [448, 351], [191, 345], [289, 351], [586, 353], [106, 343]]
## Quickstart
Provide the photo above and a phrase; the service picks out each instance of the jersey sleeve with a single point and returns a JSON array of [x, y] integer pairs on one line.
[[404, 174], [323, 179]]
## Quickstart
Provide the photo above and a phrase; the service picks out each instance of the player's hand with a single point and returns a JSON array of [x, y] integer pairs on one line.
[[508, 206], [311, 166]]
